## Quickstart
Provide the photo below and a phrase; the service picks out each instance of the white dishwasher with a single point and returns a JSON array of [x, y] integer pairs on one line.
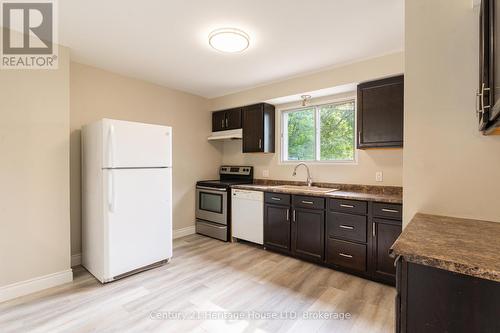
[[247, 217]]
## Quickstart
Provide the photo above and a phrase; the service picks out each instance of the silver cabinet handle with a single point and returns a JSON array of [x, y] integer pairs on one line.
[[396, 260], [288, 214], [345, 255], [346, 206], [359, 137], [374, 233], [226, 123], [276, 199], [346, 227], [222, 123], [390, 210], [307, 202], [260, 143], [294, 215], [482, 107]]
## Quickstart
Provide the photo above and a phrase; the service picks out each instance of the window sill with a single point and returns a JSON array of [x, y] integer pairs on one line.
[[326, 163]]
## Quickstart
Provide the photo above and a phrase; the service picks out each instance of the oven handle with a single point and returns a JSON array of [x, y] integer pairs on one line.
[[211, 188]]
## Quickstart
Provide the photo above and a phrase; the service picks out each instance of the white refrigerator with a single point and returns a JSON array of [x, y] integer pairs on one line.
[[126, 197]]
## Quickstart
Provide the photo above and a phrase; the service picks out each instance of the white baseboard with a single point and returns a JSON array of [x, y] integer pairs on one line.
[[76, 259], [36, 284], [178, 233]]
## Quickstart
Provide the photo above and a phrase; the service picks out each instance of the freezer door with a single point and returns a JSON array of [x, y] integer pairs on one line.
[[138, 205], [129, 144]]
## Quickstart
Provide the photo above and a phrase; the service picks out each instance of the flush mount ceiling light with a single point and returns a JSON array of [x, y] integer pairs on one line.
[[229, 40]]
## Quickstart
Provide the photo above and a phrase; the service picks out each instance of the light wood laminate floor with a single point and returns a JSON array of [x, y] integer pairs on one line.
[[208, 275]]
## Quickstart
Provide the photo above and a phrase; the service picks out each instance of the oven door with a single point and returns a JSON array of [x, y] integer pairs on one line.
[[211, 204]]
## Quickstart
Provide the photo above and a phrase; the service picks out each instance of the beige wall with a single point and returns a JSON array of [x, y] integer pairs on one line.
[[389, 161], [97, 94], [449, 167], [34, 172], [383, 66]]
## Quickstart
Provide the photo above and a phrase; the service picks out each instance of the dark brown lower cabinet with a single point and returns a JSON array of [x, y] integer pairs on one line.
[[308, 234], [433, 300], [341, 234], [385, 232], [277, 227], [346, 254]]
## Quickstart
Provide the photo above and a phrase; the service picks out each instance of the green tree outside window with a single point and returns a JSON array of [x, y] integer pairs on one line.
[[332, 124]]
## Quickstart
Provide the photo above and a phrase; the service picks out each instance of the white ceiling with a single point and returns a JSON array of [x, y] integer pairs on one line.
[[165, 41]]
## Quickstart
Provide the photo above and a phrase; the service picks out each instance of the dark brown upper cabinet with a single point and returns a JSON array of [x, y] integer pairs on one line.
[[380, 113], [258, 128], [226, 120], [218, 120]]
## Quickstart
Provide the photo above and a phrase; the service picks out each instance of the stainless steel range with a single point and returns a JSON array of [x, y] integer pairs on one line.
[[213, 201]]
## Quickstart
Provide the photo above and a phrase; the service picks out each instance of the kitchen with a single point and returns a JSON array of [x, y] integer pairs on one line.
[[294, 217], [337, 173]]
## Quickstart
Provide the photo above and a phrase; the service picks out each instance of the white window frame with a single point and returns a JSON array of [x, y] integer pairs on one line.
[[284, 135]]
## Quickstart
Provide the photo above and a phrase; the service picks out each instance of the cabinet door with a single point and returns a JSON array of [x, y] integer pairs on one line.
[[308, 234], [233, 119], [277, 227], [253, 129], [385, 234], [218, 121], [380, 113]]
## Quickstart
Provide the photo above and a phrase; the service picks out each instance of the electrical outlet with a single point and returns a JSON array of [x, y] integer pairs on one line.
[[379, 176], [265, 173]]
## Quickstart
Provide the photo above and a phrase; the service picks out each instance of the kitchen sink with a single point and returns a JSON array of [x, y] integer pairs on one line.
[[305, 189]]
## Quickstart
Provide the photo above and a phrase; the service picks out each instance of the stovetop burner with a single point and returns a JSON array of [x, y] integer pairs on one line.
[[230, 175], [222, 183]]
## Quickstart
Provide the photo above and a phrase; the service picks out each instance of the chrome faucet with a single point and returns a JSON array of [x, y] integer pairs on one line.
[[309, 179]]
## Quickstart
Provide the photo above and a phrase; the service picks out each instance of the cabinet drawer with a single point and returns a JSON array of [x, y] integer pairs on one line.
[[346, 226], [277, 198], [346, 254], [308, 202], [392, 211], [348, 206]]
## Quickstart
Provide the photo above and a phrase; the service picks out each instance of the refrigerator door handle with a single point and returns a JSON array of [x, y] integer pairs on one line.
[[111, 191], [111, 146]]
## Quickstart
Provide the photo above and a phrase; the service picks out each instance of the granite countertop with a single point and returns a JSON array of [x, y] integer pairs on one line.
[[469, 247], [386, 194]]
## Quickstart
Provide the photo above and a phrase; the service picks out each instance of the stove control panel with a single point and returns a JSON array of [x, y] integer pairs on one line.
[[235, 170]]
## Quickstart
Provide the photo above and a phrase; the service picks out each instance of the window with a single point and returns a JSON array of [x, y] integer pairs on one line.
[[319, 133]]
